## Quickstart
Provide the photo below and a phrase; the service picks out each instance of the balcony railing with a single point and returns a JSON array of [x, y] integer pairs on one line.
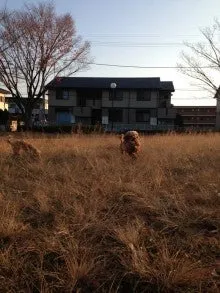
[[141, 127]]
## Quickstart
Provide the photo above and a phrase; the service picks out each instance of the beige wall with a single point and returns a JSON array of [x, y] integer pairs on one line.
[[3, 105], [130, 100], [59, 102]]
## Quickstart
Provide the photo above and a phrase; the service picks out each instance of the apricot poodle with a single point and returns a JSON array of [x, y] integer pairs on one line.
[[130, 143]]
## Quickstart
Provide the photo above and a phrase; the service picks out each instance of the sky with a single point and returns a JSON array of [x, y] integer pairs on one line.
[[141, 33]]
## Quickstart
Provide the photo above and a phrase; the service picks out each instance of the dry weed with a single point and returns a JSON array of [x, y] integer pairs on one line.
[[87, 219]]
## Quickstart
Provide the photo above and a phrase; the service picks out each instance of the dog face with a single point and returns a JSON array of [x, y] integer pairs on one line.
[[130, 143]]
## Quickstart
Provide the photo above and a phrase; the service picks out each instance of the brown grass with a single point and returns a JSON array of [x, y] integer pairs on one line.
[[87, 219]]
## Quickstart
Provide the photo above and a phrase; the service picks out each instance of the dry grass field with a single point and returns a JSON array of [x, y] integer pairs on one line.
[[87, 219]]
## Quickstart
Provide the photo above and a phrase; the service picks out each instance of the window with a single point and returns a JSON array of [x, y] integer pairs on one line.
[[116, 95], [143, 95], [115, 115], [142, 115], [62, 94], [66, 95]]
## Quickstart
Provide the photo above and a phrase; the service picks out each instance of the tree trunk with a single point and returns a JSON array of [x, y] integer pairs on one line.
[[28, 116]]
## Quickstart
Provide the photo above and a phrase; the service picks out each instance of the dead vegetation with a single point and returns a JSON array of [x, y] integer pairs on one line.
[[21, 147], [87, 219]]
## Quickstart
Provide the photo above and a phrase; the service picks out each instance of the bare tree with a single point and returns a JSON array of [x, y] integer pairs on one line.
[[36, 45], [3, 16], [203, 61]]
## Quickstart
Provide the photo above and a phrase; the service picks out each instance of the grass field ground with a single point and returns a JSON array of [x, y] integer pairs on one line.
[[86, 219]]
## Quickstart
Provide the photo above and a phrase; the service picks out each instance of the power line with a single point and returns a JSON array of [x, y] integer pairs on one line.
[[150, 67], [134, 44], [142, 45], [110, 35], [189, 90]]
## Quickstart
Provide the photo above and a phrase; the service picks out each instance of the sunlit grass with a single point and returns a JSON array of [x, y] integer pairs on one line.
[[86, 219]]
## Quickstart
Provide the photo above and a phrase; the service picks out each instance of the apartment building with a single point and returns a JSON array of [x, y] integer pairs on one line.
[[116, 103], [203, 117]]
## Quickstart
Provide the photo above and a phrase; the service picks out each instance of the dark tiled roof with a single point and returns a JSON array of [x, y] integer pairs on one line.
[[4, 92], [23, 100], [167, 86], [104, 82]]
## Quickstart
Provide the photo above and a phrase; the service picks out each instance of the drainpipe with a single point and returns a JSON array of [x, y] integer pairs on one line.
[[218, 112], [129, 100]]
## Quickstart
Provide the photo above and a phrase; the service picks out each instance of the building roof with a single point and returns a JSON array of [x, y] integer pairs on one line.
[[194, 107], [167, 86], [4, 92], [104, 83], [23, 100]]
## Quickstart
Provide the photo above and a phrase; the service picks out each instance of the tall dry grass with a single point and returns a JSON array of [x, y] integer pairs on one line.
[[86, 219]]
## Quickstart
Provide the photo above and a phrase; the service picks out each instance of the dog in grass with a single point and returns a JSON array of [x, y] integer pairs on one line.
[[130, 143], [18, 146]]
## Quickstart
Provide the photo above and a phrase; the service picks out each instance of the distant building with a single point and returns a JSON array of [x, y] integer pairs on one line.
[[3, 104], [202, 117], [116, 103], [39, 113]]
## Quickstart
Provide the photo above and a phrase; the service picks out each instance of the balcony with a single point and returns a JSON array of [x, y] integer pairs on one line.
[[197, 114]]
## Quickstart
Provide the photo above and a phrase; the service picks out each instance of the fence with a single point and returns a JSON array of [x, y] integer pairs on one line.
[[139, 127]]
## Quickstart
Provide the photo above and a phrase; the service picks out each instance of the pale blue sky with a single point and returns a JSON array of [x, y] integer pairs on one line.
[[120, 32]]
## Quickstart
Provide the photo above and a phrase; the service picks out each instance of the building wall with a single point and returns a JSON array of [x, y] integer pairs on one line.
[[3, 105], [129, 100], [96, 104], [198, 116], [52, 114], [53, 101], [166, 113]]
